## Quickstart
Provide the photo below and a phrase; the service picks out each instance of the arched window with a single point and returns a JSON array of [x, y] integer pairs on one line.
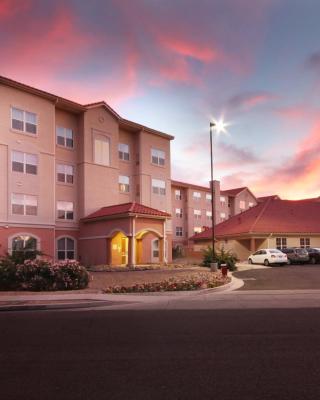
[[66, 248], [24, 244]]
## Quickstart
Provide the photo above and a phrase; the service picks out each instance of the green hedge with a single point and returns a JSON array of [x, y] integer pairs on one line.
[[38, 275]]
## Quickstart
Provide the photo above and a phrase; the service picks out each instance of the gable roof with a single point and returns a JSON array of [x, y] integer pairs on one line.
[[264, 198], [61, 102], [233, 192], [272, 216], [125, 209]]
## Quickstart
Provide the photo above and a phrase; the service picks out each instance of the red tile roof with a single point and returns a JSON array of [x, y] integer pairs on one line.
[[126, 208], [272, 216]]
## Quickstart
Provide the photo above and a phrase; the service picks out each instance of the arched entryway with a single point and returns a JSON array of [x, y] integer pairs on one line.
[[119, 249], [149, 247]]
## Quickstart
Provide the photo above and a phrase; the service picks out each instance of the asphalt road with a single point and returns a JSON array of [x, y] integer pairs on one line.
[[283, 278], [221, 354]]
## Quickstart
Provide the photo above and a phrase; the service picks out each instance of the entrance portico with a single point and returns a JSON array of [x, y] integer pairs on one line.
[[124, 235]]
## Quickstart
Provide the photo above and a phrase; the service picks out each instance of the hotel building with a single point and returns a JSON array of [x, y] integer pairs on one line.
[[79, 181]]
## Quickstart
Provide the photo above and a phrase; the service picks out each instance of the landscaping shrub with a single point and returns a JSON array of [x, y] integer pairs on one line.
[[221, 257], [199, 281], [37, 275]]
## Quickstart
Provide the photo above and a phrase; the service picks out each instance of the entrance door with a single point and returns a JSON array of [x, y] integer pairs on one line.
[[155, 251], [124, 251]]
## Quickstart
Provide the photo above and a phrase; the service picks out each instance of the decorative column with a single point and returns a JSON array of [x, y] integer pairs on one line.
[[130, 252], [108, 252], [161, 250], [252, 245]]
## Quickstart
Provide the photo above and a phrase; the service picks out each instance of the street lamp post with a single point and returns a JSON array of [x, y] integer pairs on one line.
[[212, 125]]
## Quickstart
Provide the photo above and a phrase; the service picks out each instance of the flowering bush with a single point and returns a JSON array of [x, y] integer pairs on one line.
[[40, 275], [193, 282]]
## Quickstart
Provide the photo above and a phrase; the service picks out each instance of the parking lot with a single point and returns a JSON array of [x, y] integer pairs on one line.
[[289, 277]]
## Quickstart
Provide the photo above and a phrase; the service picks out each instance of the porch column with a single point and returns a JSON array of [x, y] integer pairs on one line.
[[252, 245], [130, 252], [138, 251], [161, 250], [109, 251]]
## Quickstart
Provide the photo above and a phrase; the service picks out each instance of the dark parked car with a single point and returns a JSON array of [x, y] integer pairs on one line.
[[314, 255], [296, 255]]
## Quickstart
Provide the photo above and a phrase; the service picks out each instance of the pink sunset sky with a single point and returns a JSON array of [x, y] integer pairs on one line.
[[174, 65]]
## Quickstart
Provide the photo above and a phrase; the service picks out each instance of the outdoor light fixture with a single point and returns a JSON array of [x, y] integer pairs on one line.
[[212, 125], [220, 127]]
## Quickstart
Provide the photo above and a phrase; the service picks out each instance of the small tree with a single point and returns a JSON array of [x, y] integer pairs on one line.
[[221, 257]]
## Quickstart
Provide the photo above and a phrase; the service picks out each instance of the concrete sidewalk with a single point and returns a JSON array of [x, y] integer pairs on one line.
[[45, 301]]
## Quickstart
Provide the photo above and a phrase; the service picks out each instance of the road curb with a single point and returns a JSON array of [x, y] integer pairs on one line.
[[63, 306]]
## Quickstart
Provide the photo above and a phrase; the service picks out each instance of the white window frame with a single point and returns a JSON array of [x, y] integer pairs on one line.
[[251, 204], [208, 197], [281, 243], [65, 138], [24, 162], [196, 196], [65, 237], [65, 210], [124, 155], [305, 243], [159, 187], [197, 214], [197, 229], [158, 157], [124, 183], [65, 168], [177, 194], [10, 239], [223, 216], [178, 212], [179, 231], [242, 205], [24, 198], [209, 215], [24, 121]]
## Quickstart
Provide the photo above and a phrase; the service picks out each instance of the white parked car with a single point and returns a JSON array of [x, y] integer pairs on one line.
[[268, 257]]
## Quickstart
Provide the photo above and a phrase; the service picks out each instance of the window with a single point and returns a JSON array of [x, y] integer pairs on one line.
[[196, 196], [197, 214], [251, 204], [242, 205], [177, 193], [24, 162], [223, 216], [102, 150], [222, 200], [123, 150], [281, 243], [208, 196], [23, 121], [65, 173], [23, 204], [197, 229], [158, 187], [179, 212], [179, 231], [65, 209], [24, 244], [305, 243], [66, 248], [65, 137], [155, 248], [158, 157], [124, 184], [209, 215]]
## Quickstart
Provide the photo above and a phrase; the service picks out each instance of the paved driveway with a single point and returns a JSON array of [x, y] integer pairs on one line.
[[283, 278]]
